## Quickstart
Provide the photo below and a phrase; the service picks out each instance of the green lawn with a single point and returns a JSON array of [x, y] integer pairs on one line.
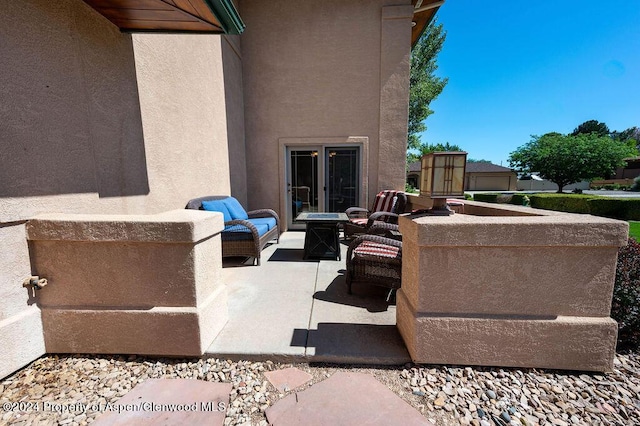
[[634, 230]]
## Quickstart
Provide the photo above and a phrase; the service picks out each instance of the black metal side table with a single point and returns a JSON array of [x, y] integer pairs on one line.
[[322, 239]]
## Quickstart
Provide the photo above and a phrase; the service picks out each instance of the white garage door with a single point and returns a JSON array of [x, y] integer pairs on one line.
[[492, 183]]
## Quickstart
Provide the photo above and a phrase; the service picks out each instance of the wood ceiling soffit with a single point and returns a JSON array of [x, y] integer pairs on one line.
[[422, 19], [158, 15]]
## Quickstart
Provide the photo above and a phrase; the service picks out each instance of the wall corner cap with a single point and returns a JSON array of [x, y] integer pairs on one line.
[[175, 226]]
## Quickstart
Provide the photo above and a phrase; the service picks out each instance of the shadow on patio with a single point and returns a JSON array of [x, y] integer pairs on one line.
[[289, 309]]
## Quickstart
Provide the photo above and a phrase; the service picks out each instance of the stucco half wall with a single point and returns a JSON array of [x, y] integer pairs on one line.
[[510, 286], [100, 122], [136, 284]]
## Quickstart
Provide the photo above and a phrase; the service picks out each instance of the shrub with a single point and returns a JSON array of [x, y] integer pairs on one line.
[[520, 199], [615, 208], [487, 198], [636, 184], [468, 196], [577, 191], [408, 188], [634, 230], [572, 203], [612, 187], [625, 306]]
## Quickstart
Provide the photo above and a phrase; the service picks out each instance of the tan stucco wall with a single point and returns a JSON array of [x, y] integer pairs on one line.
[[105, 122], [20, 325], [130, 284], [96, 121], [234, 101], [182, 100], [320, 69], [509, 286]]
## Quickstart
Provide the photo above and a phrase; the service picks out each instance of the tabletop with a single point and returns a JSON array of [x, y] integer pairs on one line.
[[322, 217]]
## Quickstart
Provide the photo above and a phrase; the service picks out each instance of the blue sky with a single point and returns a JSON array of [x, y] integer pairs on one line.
[[520, 68]]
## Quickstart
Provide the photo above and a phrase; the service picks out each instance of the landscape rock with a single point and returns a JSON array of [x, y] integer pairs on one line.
[[447, 395]]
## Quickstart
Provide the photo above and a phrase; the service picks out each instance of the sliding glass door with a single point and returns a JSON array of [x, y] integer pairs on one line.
[[321, 179]]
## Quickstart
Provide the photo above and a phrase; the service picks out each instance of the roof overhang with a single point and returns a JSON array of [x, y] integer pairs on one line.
[[171, 16], [423, 13]]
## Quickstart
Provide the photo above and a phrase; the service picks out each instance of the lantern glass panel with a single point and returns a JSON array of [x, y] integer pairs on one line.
[[443, 174], [427, 175]]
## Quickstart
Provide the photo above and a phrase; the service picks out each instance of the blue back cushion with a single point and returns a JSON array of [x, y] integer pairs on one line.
[[217, 206], [235, 209], [269, 221]]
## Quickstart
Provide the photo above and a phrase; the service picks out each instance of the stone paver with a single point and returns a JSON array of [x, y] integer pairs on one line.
[[287, 379], [170, 402], [346, 398]]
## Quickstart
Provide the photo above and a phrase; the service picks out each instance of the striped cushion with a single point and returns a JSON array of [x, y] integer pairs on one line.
[[369, 248], [386, 201]]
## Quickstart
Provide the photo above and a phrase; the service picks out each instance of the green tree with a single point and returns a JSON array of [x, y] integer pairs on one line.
[[427, 148], [627, 135], [424, 85], [591, 126], [567, 159]]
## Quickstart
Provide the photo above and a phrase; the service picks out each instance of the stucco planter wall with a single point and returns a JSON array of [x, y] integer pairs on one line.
[[510, 286], [130, 284]]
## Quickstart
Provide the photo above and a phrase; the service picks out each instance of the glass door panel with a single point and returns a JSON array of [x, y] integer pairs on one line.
[[303, 185], [342, 178]]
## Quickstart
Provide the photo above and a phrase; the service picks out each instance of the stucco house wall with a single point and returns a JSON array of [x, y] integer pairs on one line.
[[234, 102], [96, 121], [325, 69]]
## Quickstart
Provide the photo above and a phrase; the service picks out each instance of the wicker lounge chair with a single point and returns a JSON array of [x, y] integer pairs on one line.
[[245, 233], [376, 259], [386, 208]]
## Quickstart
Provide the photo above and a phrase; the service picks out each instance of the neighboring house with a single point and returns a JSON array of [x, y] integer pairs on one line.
[[414, 172], [489, 177], [478, 177], [99, 121], [630, 171]]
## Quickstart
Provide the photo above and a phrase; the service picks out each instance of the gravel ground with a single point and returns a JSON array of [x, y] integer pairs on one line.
[[445, 395]]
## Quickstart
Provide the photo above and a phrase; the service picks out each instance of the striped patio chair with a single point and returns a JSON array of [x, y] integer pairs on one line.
[[386, 208], [375, 259]]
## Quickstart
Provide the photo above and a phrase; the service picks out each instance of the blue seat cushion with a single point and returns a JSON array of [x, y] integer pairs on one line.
[[217, 206], [269, 221], [241, 232], [235, 208]]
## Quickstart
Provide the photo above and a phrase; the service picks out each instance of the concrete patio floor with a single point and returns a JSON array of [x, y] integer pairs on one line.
[[292, 310]]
